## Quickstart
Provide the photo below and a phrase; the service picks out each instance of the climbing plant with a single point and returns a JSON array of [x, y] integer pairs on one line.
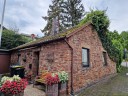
[[101, 22]]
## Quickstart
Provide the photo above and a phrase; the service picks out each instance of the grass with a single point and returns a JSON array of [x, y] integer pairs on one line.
[[116, 86]]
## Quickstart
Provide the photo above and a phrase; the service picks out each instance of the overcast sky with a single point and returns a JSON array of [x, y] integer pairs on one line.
[[27, 14]]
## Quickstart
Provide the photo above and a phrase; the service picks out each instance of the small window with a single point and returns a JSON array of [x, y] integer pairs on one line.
[[104, 58], [30, 66], [85, 57]]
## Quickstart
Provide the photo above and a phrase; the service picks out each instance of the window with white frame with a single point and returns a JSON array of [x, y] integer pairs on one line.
[[85, 57]]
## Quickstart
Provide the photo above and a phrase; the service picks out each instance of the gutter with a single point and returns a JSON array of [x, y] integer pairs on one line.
[[72, 90]]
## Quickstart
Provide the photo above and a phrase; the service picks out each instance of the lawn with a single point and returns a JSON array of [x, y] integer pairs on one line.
[[116, 86]]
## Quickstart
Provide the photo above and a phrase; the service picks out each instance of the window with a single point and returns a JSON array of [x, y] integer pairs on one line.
[[104, 58], [30, 66], [85, 57]]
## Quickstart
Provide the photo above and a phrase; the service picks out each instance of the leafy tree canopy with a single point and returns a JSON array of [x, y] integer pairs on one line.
[[11, 39]]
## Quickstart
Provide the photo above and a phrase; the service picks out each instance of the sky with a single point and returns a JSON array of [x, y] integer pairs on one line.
[[26, 15]]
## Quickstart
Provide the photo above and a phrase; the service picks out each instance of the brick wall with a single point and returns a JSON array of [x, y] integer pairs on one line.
[[84, 76], [56, 56]]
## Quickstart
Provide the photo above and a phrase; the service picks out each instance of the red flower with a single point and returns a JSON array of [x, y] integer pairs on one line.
[[50, 79], [14, 87]]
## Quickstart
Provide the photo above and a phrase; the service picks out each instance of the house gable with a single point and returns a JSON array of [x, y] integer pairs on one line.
[[88, 38]]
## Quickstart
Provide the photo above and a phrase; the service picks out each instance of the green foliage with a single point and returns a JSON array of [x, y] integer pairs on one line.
[[69, 13], [101, 22], [74, 12], [119, 68], [11, 39], [124, 39], [55, 10], [99, 19], [63, 76], [117, 42], [119, 46], [114, 35]]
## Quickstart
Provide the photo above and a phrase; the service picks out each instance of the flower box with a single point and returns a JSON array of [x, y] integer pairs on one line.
[[56, 83], [52, 90], [12, 86], [63, 89]]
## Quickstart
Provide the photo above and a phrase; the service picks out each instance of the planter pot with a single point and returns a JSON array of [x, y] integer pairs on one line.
[[52, 90], [63, 89], [19, 94]]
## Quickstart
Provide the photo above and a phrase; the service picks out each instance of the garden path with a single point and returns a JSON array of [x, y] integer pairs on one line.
[[30, 91]]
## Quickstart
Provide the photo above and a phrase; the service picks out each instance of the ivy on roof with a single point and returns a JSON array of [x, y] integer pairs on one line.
[[101, 22]]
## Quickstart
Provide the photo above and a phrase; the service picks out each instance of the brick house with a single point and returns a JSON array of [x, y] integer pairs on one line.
[[77, 51]]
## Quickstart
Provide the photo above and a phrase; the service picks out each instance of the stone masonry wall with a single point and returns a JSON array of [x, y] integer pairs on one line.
[[30, 56], [83, 76], [56, 56]]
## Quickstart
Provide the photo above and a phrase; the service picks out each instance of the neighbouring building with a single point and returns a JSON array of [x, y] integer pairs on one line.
[[77, 51], [4, 61]]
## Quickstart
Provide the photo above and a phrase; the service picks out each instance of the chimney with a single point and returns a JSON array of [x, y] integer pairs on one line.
[[55, 26], [33, 37]]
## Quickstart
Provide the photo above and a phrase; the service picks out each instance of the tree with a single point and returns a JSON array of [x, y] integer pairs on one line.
[[53, 12], [11, 39], [124, 39], [114, 35], [68, 12], [73, 13]]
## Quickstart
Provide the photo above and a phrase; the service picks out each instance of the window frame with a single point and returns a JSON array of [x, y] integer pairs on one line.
[[104, 56], [88, 57]]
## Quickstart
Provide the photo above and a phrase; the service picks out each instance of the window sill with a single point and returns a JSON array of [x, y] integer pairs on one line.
[[86, 68]]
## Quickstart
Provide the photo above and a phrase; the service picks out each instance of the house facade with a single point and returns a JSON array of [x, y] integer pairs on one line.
[[78, 51]]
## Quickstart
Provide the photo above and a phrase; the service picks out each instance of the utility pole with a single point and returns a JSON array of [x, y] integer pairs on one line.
[[2, 19]]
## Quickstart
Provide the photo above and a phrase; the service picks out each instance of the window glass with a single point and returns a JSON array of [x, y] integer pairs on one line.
[[85, 57]]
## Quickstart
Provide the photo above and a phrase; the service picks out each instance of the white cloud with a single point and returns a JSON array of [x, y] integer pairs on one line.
[[117, 12], [26, 14]]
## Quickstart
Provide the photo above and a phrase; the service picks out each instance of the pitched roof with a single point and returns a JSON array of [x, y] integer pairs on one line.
[[52, 38]]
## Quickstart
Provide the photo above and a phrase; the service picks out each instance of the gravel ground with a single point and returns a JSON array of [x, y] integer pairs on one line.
[[116, 86], [30, 91]]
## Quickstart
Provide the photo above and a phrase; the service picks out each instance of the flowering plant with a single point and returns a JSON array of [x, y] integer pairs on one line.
[[63, 76], [12, 85], [52, 79]]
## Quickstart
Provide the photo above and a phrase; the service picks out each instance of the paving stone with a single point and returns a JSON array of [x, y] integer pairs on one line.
[[30, 91]]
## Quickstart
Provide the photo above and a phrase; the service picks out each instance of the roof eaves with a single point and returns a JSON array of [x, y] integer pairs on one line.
[[36, 44]]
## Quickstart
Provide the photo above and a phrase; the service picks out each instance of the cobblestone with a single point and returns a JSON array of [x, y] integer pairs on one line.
[[117, 86]]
